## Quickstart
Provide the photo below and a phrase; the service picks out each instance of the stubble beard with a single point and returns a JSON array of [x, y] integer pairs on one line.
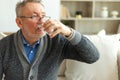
[[35, 35]]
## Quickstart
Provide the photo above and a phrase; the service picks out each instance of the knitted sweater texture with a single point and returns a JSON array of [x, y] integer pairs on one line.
[[15, 65]]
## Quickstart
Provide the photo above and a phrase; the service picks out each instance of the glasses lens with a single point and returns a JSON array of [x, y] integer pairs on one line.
[[35, 18]]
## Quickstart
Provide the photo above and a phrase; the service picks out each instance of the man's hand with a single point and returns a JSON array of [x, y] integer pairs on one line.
[[54, 27]]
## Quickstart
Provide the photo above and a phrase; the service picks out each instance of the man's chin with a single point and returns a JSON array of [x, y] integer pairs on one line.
[[41, 34], [38, 35]]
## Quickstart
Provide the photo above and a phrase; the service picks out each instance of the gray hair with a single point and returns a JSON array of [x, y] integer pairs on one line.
[[21, 4]]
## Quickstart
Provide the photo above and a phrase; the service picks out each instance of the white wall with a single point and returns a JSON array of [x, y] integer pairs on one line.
[[7, 16], [52, 8], [7, 13]]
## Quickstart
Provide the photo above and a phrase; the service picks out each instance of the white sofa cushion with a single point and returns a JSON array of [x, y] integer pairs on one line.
[[62, 68], [104, 69]]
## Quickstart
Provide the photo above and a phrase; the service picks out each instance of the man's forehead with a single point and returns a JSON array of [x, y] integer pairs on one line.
[[34, 8], [33, 4]]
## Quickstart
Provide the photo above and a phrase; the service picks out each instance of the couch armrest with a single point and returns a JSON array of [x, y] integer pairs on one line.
[[118, 61], [61, 78]]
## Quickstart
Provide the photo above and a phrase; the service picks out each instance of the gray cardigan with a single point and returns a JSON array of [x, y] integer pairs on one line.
[[15, 65]]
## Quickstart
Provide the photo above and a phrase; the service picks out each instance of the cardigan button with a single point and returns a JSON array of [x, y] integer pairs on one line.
[[31, 77]]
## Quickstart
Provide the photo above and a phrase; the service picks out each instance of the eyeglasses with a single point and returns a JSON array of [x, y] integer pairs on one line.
[[44, 18]]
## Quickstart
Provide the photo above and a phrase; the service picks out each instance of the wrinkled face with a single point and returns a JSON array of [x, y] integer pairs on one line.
[[30, 26]]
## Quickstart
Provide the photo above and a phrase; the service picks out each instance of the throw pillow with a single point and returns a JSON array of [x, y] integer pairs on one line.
[[104, 69]]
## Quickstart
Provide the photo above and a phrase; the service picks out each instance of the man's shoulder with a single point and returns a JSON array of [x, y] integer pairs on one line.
[[7, 39]]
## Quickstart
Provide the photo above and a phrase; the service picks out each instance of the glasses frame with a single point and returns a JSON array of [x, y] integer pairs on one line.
[[36, 17]]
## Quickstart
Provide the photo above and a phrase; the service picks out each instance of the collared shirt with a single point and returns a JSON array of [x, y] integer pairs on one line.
[[30, 50]]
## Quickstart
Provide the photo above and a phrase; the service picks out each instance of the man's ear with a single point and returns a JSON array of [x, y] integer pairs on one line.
[[19, 22]]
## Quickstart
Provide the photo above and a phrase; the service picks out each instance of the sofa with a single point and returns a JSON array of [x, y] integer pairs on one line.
[[106, 68]]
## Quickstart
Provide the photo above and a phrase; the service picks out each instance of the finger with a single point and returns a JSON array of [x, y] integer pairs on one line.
[[50, 26], [47, 23], [54, 33], [50, 29]]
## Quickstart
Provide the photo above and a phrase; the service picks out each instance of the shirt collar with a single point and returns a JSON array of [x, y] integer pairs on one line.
[[26, 43]]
